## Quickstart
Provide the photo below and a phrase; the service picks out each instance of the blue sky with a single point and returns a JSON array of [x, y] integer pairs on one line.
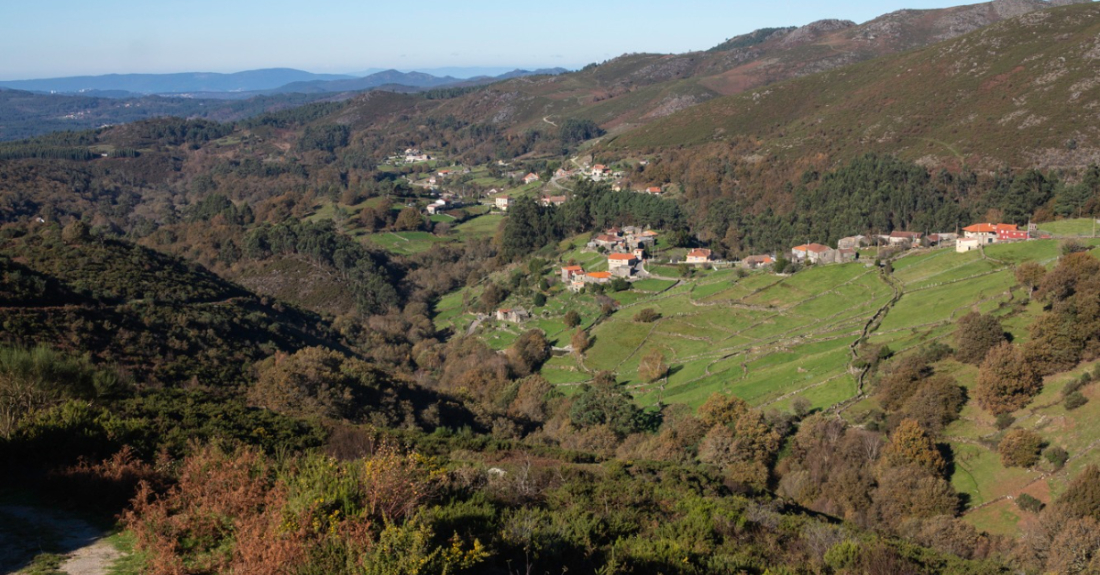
[[47, 38]]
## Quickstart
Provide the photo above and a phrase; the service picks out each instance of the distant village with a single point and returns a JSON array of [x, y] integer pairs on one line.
[[627, 247]]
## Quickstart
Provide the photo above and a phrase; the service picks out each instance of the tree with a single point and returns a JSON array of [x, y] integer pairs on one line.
[[936, 403], [1020, 448], [1082, 497], [1030, 275], [1006, 382], [530, 350], [975, 335], [605, 405], [539, 300], [572, 319], [492, 296], [76, 232], [722, 409], [647, 315], [911, 445], [653, 366], [408, 220]]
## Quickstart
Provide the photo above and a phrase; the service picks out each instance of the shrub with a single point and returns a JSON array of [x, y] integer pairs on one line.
[[1056, 456], [1020, 448], [539, 300], [572, 319], [1004, 421], [1029, 503], [1075, 400], [647, 315]]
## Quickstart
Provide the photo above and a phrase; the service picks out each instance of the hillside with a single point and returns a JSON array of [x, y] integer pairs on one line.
[[637, 89], [1017, 93], [145, 312]]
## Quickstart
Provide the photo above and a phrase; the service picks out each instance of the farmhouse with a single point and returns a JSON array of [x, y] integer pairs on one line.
[[655, 190], [756, 262], [1009, 232], [503, 202], [599, 170], [621, 264], [942, 238], [852, 242], [698, 256], [570, 272], [963, 245], [897, 238], [531, 177], [517, 315], [436, 207], [813, 253], [606, 241], [597, 277], [987, 233]]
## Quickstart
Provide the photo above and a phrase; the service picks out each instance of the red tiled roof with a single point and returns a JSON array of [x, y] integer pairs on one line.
[[816, 248], [599, 275], [699, 253], [981, 229], [621, 257]]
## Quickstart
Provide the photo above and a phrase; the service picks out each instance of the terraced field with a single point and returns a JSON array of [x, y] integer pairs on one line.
[[765, 338]]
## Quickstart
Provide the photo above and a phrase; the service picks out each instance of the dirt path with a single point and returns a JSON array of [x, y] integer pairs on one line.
[[30, 531]]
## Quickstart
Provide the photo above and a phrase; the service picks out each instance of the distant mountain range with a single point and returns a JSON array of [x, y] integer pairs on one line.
[[242, 85], [147, 84]]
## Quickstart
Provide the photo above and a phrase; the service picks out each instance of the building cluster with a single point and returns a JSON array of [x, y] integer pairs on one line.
[[624, 240], [413, 155], [978, 235]]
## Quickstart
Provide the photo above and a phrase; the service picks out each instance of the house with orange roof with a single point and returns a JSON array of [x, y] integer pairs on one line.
[[531, 177], [570, 272], [502, 203], [597, 277], [812, 253], [987, 233], [698, 256], [621, 264], [656, 190], [757, 262]]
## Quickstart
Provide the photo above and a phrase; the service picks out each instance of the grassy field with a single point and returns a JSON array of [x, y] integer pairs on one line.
[[480, 227], [1071, 227], [406, 243], [771, 339]]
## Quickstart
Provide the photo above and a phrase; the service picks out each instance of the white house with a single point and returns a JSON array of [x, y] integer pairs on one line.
[[502, 203], [698, 256], [963, 245]]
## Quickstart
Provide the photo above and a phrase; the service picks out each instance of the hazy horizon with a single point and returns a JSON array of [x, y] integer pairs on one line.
[[63, 38]]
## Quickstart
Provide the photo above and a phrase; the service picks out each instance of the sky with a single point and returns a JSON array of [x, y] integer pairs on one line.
[[53, 38]]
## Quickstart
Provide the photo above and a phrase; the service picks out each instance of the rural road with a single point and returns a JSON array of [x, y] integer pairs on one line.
[[28, 531]]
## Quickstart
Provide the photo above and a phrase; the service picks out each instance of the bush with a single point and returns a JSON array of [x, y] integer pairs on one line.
[[1020, 448], [647, 315], [1029, 503], [572, 319], [1056, 456], [539, 300], [1004, 421], [1075, 400]]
